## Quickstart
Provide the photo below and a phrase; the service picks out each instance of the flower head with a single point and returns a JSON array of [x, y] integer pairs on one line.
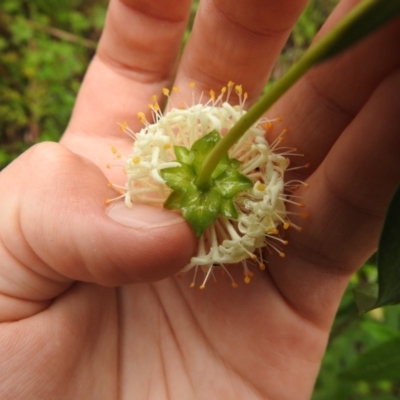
[[260, 208]]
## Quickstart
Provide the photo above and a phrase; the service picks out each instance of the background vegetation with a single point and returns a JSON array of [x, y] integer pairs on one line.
[[45, 47]]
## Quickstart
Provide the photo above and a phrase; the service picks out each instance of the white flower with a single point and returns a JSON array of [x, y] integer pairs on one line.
[[261, 209]]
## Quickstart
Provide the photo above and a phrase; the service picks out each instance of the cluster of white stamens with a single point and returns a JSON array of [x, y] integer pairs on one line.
[[261, 209]]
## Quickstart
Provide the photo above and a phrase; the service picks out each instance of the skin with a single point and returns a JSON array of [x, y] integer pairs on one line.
[[89, 307]]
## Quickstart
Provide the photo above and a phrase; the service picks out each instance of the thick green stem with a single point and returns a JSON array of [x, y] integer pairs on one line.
[[362, 20]]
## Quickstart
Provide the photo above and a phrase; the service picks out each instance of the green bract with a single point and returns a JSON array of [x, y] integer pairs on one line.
[[201, 205]]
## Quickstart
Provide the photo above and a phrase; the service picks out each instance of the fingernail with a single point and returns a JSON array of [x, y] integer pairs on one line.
[[142, 216]]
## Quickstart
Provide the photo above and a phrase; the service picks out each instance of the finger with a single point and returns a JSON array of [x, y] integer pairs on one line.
[[137, 56], [348, 197], [55, 230], [236, 41], [322, 104]]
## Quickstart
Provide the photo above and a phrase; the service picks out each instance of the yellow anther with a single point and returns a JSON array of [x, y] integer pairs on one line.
[[114, 150], [223, 90], [246, 95], [234, 285], [212, 94], [192, 285], [201, 287], [272, 231], [166, 146], [268, 125], [247, 279], [286, 225], [261, 187], [281, 254], [262, 266], [279, 119], [239, 89], [155, 107], [109, 184], [121, 191], [230, 84], [108, 201], [154, 98], [136, 160], [108, 166], [165, 91], [123, 126], [192, 84], [175, 89]]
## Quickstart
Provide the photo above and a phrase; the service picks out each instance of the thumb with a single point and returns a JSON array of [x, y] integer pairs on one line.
[[56, 229]]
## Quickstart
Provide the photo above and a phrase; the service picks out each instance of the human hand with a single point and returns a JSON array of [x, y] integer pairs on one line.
[[81, 316]]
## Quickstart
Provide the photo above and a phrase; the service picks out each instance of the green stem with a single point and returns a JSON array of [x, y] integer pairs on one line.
[[362, 20]]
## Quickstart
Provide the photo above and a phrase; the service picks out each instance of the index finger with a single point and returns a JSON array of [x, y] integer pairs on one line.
[[237, 41], [136, 57]]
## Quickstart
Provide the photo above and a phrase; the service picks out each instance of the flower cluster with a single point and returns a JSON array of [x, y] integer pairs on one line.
[[261, 209]]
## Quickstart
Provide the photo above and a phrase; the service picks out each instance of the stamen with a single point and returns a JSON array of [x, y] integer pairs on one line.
[[193, 284], [212, 95], [203, 285], [299, 167], [233, 283], [123, 126]]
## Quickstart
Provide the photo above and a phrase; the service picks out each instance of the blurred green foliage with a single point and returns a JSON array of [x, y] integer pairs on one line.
[[45, 47], [367, 344]]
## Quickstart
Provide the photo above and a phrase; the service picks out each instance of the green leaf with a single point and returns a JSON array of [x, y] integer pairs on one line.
[[389, 255], [174, 201], [201, 204], [225, 165], [178, 178], [222, 166], [368, 298], [232, 183], [365, 296], [200, 208], [227, 209], [202, 147], [379, 363], [183, 155]]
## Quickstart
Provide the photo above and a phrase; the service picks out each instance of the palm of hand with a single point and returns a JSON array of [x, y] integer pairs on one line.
[[163, 340]]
